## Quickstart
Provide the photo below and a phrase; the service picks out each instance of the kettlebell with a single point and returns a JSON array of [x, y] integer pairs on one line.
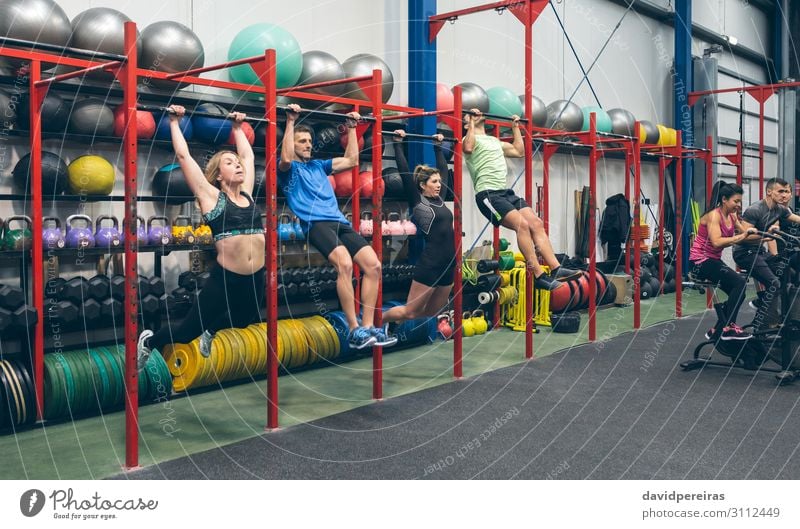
[[79, 236], [159, 234], [203, 235], [285, 229], [182, 232], [52, 237], [479, 322], [409, 228], [366, 228], [395, 227], [109, 236], [298, 229], [443, 326], [19, 239], [466, 325]]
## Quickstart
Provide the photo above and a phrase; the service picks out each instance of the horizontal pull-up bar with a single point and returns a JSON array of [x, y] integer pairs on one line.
[[43, 46], [246, 60], [191, 113], [322, 84], [70, 75], [413, 135]]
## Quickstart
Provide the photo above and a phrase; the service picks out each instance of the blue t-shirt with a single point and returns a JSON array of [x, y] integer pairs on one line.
[[309, 193]]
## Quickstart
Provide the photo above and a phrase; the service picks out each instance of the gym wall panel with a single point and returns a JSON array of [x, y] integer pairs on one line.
[[735, 18]]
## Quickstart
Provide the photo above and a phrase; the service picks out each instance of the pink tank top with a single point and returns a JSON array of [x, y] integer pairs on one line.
[[702, 249]]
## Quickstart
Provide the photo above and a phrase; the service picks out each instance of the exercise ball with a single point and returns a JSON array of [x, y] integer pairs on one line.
[[170, 182], [667, 136], [503, 102], [249, 133], [40, 21], [603, 120], [101, 29], [145, 124], [54, 113], [252, 41], [444, 98], [162, 128], [318, 67], [392, 182], [365, 184], [473, 96], [648, 133], [261, 136], [171, 47], [326, 140], [622, 121], [211, 130], [538, 110], [363, 64], [91, 175], [343, 141], [564, 115], [91, 117], [54, 174]]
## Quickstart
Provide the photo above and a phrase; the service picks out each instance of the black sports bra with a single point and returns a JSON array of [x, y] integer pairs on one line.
[[227, 219]]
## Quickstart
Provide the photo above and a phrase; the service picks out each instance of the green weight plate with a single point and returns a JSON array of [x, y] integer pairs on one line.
[[102, 371], [95, 386], [118, 382], [82, 383], [111, 384], [53, 390], [160, 387], [69, 381]]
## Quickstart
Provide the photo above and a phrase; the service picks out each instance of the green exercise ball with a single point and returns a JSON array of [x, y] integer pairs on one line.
[[253, 40], [504, 102], [603, 119]]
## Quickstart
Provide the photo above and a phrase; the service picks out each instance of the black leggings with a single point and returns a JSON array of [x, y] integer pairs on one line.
[[731, 282], [227, 300]]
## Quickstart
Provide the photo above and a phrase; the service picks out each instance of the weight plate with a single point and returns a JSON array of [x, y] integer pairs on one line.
[[161, 387], [69, 381], [81, 383], [119, 380], [285, 352], [111, 399], [7, 407], [251, 350], [25, 399], [182, 362], [259, 362], [223, 364], [105, 393], [239, 355], [27, 386], [12, 394], [53, 393]]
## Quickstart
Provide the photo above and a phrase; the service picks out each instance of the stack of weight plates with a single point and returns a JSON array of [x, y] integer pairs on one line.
[[17, 396]]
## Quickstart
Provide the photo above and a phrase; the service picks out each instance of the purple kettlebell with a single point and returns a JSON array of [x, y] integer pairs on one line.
[[79, 236], [52, 236], [141, 232], [108, 236], [159, 234]]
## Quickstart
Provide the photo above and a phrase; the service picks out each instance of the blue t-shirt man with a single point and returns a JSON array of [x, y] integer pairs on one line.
[[309, 193]]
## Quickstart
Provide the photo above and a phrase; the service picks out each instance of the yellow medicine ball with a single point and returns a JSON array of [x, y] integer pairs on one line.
[[91, 175]]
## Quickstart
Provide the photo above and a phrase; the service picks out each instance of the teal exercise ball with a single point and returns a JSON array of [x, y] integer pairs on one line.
[[253, 40], [603, 119], [504, 102]]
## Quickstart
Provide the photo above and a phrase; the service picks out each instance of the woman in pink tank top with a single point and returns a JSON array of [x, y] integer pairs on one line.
[[718, 230]]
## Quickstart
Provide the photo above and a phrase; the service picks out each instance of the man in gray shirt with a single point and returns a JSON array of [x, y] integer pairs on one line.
[[750, 255]]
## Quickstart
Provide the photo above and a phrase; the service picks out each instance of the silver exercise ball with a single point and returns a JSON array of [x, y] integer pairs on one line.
[[363, 64], [564, 115], [100, 29], [320, 66], [91, 117], [171, 47], [34, 20], [622, 121], [539, 110], [473, 96]]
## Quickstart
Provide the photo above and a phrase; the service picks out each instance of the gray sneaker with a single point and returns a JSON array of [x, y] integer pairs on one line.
[[142, 351], [382, 336], [205, 343]]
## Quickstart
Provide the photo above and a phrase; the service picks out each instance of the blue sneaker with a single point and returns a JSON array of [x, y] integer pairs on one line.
[[361, 338], [382, 336]]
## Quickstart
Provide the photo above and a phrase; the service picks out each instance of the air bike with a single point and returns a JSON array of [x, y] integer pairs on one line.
[[780, 345]]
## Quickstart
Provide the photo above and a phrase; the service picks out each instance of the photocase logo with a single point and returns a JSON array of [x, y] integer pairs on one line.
[[31, 502]]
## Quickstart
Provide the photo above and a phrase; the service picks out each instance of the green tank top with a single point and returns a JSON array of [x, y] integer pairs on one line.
[[487, 164]]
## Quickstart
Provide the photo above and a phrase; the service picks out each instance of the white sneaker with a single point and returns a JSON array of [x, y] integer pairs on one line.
[[205, 343], [142, 351]]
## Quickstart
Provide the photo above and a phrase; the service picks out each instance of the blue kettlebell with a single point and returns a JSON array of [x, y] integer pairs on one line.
[[79, 236], [285, 229], [159, 234], [107, 237], [298, 229], [52, 236]]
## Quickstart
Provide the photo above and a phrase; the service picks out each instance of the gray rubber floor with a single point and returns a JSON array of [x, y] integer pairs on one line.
[[619, 409]]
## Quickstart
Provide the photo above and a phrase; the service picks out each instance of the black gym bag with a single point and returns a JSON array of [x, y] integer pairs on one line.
[[568, 322]]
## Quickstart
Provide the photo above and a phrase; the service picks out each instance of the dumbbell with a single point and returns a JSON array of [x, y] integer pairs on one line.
[[297, 275], [11, 297], [111, 311], [23, 319], [62, 313], [155, 286], [53, 287], [149, 306], [329, 286], [98, 287], [90, 313], [75, 290], [291, 289], [201, 279], [187, 280], [302, 289]]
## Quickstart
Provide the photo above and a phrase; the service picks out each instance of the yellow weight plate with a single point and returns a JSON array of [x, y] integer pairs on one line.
[[226, 356], [299, 344], [238, 357], [334, 338], [286, 346], [260, 339], [321, 341], [183, 366], [206, 370], [253, 350]]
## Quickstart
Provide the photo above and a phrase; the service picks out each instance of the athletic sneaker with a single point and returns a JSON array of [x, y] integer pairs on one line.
[[382, 336], [205, 343], [545, 282], [565, 274], [361, 338], [755, 304], [142, 350], [734, 332], [710, 333]]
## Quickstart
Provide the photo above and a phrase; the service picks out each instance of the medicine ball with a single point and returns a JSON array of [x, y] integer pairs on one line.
[[261, 136], [326, 140], [145, 124], [170, 182], [249, 133], [91, 117], [211, 130], [91, 175], [54, 174], [392, 183], [54, 112], [162, 128]]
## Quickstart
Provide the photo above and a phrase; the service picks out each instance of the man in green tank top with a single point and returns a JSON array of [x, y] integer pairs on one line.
[[486, 162]]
